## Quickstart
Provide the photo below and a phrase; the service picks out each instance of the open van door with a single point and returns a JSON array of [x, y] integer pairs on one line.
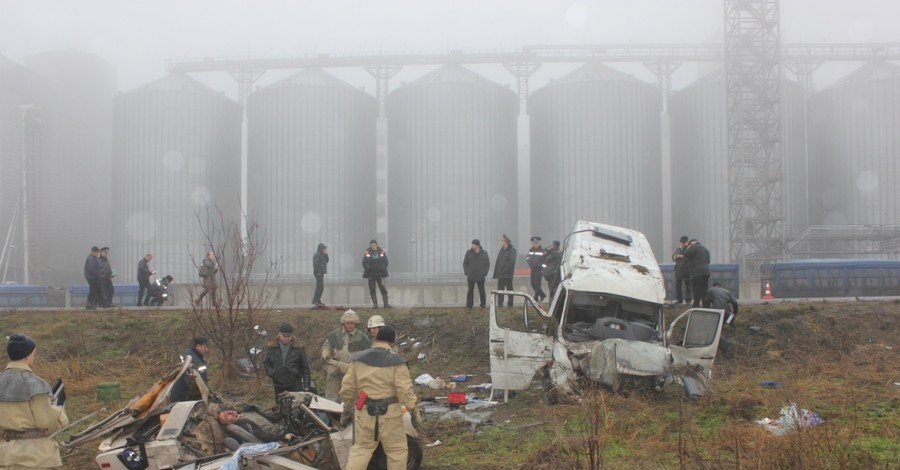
[[521, 340], [694, 336]]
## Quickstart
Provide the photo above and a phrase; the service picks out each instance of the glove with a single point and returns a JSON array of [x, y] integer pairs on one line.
[[326, 355], [346, 418], [342, 366]]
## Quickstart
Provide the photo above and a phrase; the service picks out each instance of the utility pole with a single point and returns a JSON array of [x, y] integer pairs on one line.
[[25, 108]]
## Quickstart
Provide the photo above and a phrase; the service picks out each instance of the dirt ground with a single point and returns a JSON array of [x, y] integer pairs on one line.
[[841, 358]]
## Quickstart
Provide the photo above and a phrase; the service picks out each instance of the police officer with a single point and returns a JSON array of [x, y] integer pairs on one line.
[[27, 418], [286, 362], [535, 260], [339, 347], [183, 389], [384, 378]]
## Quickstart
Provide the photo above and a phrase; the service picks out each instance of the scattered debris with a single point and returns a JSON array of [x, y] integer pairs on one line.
[[423, 379], [791, 418], [434, 444], [756, 329], [771, 383]]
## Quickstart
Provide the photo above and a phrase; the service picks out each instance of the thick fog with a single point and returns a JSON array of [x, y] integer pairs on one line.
[[89, 160]]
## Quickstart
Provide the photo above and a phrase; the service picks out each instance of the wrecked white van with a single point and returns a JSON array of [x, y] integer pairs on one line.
[[605, 323]]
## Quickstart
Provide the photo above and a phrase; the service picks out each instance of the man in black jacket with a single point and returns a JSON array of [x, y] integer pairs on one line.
[[535, 260], [375, 263], [320, 267], [143, 278], [505, 267], [552, 258], [286, 363], [106, 283], [476, 265], [697, 257], [183, 389], [93, 274]]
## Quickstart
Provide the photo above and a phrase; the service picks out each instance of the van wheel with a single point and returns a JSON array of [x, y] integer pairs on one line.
[[413, 456]]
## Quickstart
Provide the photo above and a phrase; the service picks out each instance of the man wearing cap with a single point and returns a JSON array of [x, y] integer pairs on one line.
[[286, 362], [27, 418], [375, 263], [552, 258], [183, 389], [93, 273], [339, 347], [320, 267], [476, 265], [384, 378], [535, 260], [505, 267]]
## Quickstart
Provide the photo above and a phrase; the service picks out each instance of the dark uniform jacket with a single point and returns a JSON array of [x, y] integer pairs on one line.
[[697, 257], [552, 258], [535, 258], [476, 265], [143, 271], [505, 266], [375, 263], [289, 370], [320, 261], [682, 270], [181, 388]]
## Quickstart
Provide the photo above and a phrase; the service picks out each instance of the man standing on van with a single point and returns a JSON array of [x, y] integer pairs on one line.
[[535, 260]]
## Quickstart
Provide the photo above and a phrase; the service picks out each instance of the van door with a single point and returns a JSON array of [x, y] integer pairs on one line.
[[694, 336], [521, 341]]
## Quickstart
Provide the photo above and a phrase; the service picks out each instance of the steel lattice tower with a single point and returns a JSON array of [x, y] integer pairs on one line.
[[753, 86]]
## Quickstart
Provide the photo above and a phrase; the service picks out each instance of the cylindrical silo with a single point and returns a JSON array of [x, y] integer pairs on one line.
[[700, 164], [74, 127], [177, 147], [311, 171], [595, 153], [854, 150], [451, 170]]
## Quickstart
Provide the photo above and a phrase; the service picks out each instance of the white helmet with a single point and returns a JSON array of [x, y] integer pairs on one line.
[[349, 316], [376, 321]]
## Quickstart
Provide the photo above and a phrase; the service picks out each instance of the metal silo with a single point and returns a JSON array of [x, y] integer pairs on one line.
[[311, 170], [177, 145], [854, 152], [71, 129], [451, 170], [595, 153], [699, 148]]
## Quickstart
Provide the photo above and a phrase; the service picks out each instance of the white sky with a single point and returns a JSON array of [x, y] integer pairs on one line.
[[138, 36]]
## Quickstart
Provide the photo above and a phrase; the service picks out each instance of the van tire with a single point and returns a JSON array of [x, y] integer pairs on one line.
[[413, 456]]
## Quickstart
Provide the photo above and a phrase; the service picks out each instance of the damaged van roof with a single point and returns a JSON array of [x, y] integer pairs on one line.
[[614, 260]]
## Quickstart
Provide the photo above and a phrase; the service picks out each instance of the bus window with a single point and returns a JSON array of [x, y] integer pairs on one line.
[[828, 277]]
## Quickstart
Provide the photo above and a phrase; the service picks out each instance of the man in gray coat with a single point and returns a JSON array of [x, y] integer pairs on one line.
[[476, 266]]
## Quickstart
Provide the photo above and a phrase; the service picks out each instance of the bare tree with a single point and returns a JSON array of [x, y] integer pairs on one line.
[[246, 291]]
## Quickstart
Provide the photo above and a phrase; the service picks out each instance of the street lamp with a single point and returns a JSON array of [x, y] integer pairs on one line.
[[25, 108]]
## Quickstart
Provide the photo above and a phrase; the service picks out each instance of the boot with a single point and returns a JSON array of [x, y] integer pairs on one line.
[[384, 296], [375, 301]]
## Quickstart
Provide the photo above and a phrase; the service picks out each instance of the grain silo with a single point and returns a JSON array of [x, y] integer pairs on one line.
[[451, 170], [177, 147], [311, 171], [595, 153], [700, 164], [74, 126], [854, 153]]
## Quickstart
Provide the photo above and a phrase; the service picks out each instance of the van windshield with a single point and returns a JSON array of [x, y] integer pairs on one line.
[[592, 316]]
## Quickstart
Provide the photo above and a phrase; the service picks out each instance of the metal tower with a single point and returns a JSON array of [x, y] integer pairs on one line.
[[753, 87]]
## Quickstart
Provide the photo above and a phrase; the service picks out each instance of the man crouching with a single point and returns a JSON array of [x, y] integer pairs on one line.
[[378, 382]]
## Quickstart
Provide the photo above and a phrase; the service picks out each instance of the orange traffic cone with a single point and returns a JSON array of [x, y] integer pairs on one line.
[[767, 294]]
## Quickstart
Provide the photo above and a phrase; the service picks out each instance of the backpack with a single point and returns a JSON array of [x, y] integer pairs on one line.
[[204, 271]]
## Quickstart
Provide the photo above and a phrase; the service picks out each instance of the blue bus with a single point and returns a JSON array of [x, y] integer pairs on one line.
[[831, 278], [726, 274]]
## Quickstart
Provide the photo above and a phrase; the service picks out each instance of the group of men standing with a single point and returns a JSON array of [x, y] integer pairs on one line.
[[544, 264], [691, 272], [99, 275]]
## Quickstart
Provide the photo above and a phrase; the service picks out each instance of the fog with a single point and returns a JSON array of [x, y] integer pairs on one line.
[[74, 143], [137, 37]]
